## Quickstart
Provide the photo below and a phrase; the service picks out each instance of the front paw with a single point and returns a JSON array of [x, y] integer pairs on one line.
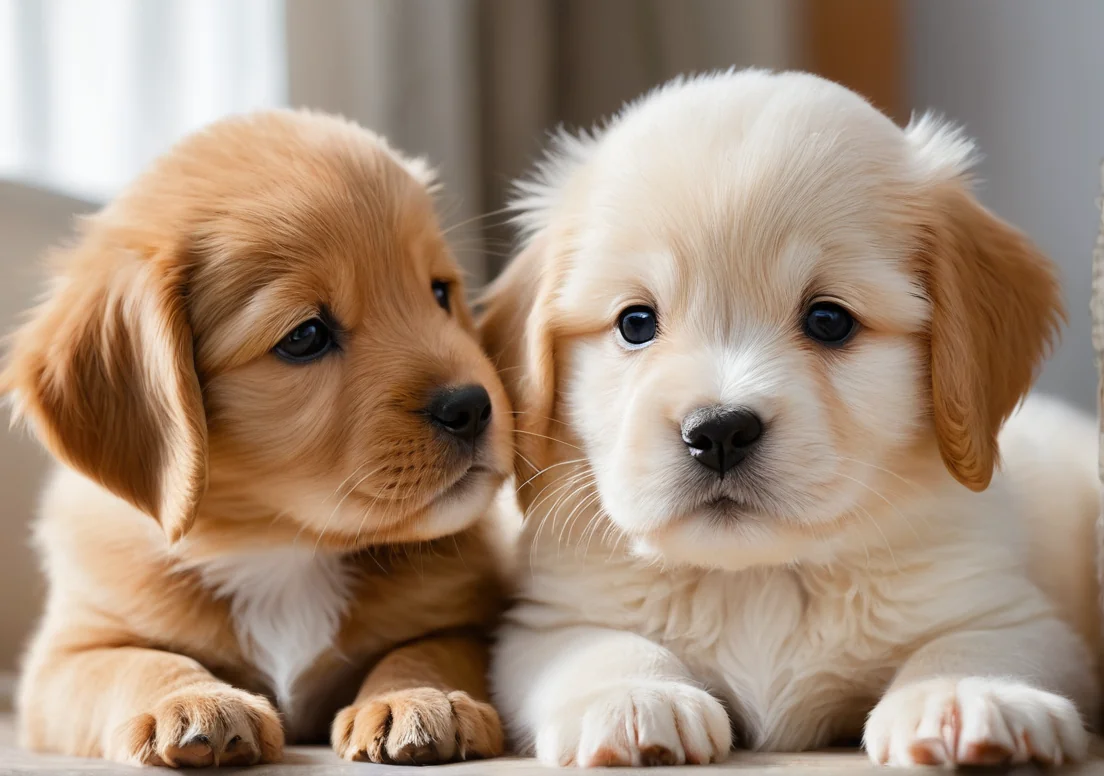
[[418, 727], [653, 722], [974, 721], [199, 727]]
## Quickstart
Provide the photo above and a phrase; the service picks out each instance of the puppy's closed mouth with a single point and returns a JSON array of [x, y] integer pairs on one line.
[[717, 511], [475, 474], [726, 508]]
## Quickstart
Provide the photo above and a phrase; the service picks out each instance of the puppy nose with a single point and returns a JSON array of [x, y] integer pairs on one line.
[[463, 412], [721, 438]]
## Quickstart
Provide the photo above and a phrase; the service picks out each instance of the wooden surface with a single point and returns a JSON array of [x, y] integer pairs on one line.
[[320, 761]]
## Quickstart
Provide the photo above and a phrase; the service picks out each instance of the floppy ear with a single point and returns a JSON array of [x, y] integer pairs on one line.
[[996, 310], [516, 330], [104, 372]]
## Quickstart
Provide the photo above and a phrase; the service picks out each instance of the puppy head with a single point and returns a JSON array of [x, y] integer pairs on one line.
[[757, 306], [270, 319]]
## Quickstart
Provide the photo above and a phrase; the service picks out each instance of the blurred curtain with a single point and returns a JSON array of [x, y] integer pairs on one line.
[[92, 90], [476, 84]]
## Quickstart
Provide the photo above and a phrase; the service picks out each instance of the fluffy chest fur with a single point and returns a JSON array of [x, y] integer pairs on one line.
[[287, 607], [800, 655]]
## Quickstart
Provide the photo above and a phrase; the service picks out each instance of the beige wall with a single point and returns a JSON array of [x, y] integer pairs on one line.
[[30, 221]]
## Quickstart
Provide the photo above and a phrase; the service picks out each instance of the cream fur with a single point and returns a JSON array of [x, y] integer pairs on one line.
[[854, 586]]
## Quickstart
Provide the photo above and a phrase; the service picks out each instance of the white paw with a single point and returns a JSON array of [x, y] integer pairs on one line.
[[637, 723], [974, 721]]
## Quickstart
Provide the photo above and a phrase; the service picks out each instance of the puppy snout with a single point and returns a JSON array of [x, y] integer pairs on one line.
[[464, 412], [719, 437]]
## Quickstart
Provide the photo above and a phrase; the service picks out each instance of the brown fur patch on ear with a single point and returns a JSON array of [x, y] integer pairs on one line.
[[104, 371], [996, 312], [516, 328]]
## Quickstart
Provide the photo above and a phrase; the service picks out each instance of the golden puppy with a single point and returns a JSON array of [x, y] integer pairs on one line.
[[762, 342], [280, 443]]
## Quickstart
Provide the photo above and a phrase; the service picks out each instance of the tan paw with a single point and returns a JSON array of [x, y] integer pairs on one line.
[[974, 721], [199, 727], [637, 723], [418, 727]]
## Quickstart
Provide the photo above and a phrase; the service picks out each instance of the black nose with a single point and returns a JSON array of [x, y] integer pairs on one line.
[[463, 412], [721, 438]]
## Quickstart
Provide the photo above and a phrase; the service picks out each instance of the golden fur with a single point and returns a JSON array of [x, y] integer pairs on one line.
[[147, 371], [996, 308]]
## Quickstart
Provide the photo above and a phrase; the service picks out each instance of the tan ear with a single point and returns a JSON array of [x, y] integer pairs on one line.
[[516, 327], [996, 311], [104, 371]]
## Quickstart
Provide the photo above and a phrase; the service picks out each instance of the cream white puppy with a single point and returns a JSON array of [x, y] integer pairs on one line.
[[762, 342]]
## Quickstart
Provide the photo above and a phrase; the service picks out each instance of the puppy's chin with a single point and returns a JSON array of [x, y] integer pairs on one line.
[[460, 504], [360, 521], [722, 536], [452, 509], [697, 544], [730, 535]]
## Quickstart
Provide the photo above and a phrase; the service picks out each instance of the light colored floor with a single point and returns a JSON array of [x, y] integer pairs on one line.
[[319, 761]]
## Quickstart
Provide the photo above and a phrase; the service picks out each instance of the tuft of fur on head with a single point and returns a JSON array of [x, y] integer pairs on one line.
[[536, 197], [944, 152]]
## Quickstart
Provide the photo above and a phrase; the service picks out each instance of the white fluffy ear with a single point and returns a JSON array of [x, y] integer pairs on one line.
[[423, 172], [541, 194], [943, 150]]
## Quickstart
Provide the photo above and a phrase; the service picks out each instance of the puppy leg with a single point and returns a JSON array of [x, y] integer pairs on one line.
[[144, 707], [985, 697], [423, 703], [594, 696]]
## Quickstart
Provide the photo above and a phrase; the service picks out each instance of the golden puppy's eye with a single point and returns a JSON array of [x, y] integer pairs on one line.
[[829, 324], [441, 293], [308, 341], [637, 326]]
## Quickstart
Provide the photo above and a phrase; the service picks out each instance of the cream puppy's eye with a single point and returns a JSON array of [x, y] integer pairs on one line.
[[306, 342], [441, 293], [829, 324], [637, 325]]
